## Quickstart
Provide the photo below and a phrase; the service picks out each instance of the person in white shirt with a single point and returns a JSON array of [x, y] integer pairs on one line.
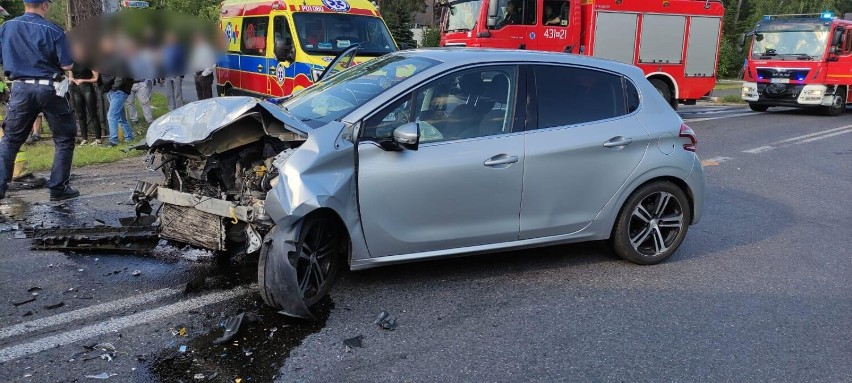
[[203, 64]]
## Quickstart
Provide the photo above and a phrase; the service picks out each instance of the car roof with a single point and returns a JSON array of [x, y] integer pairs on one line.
[[458, 56]]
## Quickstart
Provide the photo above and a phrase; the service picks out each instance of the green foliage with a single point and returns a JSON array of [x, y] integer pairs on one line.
[[431, 37], [399, 16]]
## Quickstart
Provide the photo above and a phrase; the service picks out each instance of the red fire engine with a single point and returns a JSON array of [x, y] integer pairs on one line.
[[676, 42], [801, 61]]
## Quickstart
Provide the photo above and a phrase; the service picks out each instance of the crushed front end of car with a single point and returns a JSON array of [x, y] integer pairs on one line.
[[216, 157]]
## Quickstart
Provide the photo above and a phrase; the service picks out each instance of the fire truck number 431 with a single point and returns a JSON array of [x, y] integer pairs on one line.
[[553, 33]]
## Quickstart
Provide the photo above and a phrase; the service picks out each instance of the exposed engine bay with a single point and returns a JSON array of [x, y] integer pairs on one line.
[[214, 189]]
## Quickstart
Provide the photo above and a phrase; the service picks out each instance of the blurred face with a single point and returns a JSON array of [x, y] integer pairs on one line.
[[510, 7]]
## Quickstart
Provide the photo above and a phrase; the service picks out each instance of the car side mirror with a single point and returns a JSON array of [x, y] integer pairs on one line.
[[283, 51], [493, 16], [407, 136]]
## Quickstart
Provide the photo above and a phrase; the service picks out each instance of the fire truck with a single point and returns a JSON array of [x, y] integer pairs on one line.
[[802, 61], [676, 42]]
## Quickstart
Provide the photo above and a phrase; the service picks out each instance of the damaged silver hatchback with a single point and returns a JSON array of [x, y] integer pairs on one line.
[[425, 154]]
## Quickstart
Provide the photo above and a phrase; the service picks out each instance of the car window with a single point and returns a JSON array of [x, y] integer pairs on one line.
[[569, 95], [467, 104], [254, 35], [339, 95], [515, 12], [555, 13], [632, 96]]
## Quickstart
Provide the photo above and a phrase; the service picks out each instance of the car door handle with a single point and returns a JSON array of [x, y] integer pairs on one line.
[[259, 68], [500, 161], [617, 142]]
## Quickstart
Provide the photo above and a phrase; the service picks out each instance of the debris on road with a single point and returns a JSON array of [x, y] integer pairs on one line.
[[233, 325], [182, 349], [386, 321], [137, 273], [179, 331], [101, 376], [24, 301], [354, 342], [55, 305], [139, 237]]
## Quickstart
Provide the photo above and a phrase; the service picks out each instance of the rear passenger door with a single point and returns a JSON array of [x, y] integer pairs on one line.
[[580, 150]]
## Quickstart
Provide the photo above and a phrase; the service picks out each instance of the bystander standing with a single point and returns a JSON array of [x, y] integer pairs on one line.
[[35, 55]]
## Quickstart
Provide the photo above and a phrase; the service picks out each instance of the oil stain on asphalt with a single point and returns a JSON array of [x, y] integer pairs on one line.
[[255, 354]]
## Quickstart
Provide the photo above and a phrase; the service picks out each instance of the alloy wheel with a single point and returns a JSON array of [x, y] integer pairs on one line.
[[315, 258], [655, 224]]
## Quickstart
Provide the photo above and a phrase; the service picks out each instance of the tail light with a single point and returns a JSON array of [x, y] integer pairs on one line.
[[689, 134]]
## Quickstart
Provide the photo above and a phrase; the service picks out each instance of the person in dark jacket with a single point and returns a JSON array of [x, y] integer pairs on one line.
[[117, 85], [84, 96]]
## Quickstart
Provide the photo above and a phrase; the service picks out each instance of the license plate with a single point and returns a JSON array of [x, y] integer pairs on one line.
[[780, 80]]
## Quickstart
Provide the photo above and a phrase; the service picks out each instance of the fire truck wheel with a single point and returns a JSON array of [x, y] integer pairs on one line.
[[665, 91], [838, 106], [758, 108]]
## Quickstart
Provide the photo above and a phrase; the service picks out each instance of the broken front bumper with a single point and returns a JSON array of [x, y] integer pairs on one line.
[[200, 220]]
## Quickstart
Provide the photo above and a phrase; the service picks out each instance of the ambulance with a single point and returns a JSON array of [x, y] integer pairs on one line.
[[277, 47]]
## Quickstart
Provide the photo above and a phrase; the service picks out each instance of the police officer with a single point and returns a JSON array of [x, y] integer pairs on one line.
[[35, 55]]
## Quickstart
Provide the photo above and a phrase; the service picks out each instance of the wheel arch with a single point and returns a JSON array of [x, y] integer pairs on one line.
[[680, 183], [669, 80]]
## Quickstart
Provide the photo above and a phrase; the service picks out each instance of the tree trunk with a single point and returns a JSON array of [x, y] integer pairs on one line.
[[737, 14]]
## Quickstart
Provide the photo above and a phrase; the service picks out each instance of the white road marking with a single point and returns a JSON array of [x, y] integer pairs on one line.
[[803, 139], [805, 136], [721, 117], [825, 136], [759, 149], [116, 324], [87, 312]]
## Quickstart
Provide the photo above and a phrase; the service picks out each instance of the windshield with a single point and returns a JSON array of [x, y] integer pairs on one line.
[[462, 15], [331, 33], [790, 45], [335, 97]]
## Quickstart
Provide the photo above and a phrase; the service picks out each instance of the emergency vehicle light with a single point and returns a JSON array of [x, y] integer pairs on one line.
[[824, 15]]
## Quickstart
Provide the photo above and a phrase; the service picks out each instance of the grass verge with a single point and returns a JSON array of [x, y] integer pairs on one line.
[[732, 99], [40, 155], [728, 85]]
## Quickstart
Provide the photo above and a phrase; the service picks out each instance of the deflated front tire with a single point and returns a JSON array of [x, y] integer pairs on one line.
[[298, 266]]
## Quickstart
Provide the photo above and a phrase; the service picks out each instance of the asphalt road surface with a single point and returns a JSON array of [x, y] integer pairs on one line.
[[760, 291]]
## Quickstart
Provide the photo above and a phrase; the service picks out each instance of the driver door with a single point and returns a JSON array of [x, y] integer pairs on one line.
[[462, 187]]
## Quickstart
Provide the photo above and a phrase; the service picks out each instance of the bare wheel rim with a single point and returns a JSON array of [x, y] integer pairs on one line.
[[655, 224], [315, 258]]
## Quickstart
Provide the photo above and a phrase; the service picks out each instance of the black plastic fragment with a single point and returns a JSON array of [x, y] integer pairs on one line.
[[24, 301], [233, 326], [55, 305], [354, 342], [386, 321]]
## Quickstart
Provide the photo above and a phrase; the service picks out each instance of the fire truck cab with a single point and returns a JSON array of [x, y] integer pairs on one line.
[[675, 42], [802, 61]]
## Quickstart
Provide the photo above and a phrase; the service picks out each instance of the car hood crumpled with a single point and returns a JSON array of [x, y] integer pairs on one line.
[[197, 121]]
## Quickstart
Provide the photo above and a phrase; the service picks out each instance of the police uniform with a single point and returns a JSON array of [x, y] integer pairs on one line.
[[33, 53]]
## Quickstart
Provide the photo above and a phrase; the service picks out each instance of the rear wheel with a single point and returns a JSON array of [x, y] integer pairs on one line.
[[652, 224], [665, 91], [758, 108], [316, 253], [838, 104]]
